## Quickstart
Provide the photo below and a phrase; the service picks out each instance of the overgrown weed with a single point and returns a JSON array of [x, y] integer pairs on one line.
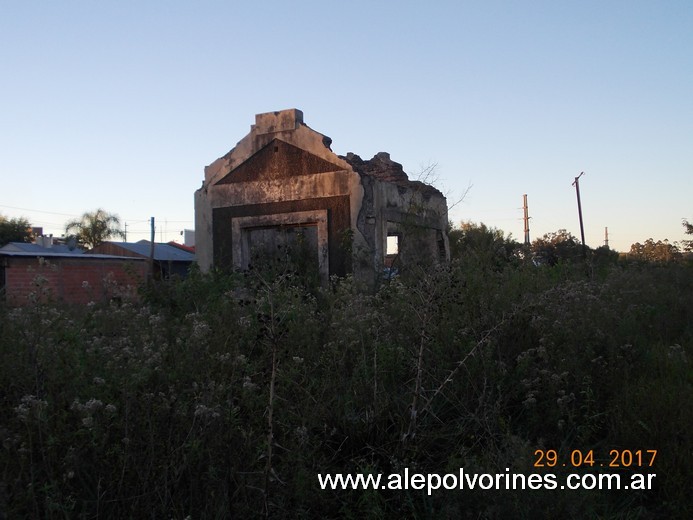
[[226, 394]]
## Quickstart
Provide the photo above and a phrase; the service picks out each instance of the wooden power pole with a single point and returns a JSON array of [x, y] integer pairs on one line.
[[576, 183], [151, 251]]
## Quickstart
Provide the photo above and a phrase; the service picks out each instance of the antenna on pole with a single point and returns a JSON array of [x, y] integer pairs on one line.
[[576, 183], [606, 236], [526, 218]]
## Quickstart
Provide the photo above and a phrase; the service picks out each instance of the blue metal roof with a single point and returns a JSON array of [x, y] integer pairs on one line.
[[162, 252], [35, 249], [54, 254]]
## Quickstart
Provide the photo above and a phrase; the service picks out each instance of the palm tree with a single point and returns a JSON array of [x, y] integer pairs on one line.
[[93, 228]]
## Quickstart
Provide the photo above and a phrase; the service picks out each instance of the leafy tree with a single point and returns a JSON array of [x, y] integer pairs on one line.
[[558, 246], [651, 251], [93, 228], [489, 245], [14, 230], [687, 244], [603, 255]]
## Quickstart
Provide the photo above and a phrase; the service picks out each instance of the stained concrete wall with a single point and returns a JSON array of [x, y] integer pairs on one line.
[[298, 166], [283, 170]]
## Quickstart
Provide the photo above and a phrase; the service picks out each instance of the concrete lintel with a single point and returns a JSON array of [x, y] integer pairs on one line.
[[301, 187], [403, 217]]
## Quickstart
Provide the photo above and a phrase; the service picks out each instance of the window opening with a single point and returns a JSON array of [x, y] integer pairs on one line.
[[392, 245]]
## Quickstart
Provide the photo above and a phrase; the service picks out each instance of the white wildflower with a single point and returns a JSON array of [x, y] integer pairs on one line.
[[29, 406], [93, 405], [301, 434], [205, 412]]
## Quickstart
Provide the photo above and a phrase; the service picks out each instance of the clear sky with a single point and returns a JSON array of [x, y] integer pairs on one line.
[[121, 104]]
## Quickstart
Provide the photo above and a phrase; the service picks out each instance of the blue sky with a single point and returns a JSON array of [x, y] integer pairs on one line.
[[121, 104]]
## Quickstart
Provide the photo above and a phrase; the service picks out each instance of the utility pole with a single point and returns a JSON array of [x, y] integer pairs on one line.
[[606, 236], [576, 183], [125, 235], [151, 251], [526, 218]]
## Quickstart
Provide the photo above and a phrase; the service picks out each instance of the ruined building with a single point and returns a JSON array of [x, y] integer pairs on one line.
[[283, 185]]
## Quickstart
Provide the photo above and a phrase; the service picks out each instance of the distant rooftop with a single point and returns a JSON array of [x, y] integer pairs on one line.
[[23, 249], [37, 249], [162, 252]]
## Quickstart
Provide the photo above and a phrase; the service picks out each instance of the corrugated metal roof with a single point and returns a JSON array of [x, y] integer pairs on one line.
[[54, 254], [162, 252], [35, 249]]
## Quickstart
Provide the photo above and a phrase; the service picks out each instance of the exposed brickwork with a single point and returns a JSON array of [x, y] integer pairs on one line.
[[385, 169], [70, 280]]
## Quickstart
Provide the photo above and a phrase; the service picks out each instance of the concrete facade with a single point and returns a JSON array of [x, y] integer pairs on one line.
[[282, 184]]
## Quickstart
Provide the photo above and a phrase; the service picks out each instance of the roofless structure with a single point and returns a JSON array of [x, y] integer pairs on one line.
[[282, 184]]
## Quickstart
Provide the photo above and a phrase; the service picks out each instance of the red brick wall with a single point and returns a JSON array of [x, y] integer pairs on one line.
[[70, 279]]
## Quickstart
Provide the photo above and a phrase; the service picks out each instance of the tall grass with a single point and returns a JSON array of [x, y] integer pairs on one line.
[[225, 395]]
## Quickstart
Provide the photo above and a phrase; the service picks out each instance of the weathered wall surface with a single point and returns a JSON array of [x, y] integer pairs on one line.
[[281, 167], [283, 173], [76, 280], [394, 205], [337, 207]]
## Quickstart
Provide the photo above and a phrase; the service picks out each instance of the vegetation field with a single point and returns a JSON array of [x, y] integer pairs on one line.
[[226, 395]]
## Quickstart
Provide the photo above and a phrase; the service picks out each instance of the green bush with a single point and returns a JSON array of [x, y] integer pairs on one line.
[[225, 395]]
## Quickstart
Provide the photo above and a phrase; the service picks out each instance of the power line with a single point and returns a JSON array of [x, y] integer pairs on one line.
[[72, 215], [138, 220], [39, 211]]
